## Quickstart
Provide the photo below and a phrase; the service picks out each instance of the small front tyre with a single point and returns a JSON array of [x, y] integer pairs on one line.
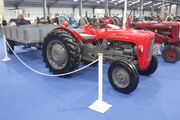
[[171, 54], [123, 76]]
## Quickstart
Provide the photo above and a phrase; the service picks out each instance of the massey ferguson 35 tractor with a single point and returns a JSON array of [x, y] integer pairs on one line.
[[129, 52], [167, 33]]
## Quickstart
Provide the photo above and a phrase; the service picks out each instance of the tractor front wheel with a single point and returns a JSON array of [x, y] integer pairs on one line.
[[171, 54], [151, 67], [123, 76]]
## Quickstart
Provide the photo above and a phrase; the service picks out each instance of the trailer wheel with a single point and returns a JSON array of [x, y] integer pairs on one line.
[[151, 67], [170, 54], [11, 44], [123, 76], [60, 52]]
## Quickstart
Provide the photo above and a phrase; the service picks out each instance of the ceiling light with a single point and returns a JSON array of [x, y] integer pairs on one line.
[[147, 3], [120, 1], [157, 4]]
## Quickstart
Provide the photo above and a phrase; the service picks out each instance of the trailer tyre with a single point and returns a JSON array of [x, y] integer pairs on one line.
[[61, 53], [170, 54], [152, 67], [123, 76], [11, 44]]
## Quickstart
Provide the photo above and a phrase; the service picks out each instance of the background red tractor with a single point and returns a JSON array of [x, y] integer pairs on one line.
[[167, 33], [129, 52]]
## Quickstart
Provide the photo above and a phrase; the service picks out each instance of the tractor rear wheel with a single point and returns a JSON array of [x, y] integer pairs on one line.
[[60, 52], [171, 54], [11, 44], [151, 67], [123, 76]]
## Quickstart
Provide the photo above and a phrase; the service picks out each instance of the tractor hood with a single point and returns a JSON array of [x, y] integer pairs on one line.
[[156, 24], [130, 35]]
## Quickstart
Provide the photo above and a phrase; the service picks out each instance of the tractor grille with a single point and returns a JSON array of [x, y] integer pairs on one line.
[[151, 49]]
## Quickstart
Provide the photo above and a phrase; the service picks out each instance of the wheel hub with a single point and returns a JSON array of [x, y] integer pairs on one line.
[[121, 77], [57, 54], [171, 54]]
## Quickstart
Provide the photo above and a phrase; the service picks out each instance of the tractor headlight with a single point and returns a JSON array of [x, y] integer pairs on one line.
[[140, 48], [151, 49]]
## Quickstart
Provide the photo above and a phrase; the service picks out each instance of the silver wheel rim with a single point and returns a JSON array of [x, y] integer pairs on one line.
[[57, 54], [120, 77]]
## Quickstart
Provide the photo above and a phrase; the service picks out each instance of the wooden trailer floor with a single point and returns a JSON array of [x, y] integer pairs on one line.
[[25, 95]]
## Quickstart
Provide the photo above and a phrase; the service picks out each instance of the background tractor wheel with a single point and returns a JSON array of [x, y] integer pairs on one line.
[[171, 54], [11, 43], [83, 21], [123, 76], [151, 67], [117, 21], [60, 53]]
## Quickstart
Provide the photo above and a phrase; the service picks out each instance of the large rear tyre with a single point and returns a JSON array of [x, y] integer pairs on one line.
[[171, 54], [60, 52], [123, 76], [11, 44], [152, 67]]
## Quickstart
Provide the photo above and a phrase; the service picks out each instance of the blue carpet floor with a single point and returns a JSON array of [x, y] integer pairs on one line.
[[25, 95]]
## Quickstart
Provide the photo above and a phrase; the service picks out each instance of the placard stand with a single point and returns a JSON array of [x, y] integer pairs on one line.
[[99, 105], [6, 58]]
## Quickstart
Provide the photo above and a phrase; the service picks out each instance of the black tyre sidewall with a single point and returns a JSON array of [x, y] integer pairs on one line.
[[133, 74], [71, 48]]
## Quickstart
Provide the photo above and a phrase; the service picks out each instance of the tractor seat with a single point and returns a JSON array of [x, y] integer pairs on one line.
[[87, 36], [79, 30]]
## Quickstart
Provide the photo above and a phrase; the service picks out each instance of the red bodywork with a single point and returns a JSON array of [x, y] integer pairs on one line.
[[142, 39], [171, 33]]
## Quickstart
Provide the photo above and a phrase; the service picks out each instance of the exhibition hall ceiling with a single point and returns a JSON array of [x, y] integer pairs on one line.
[[133, 4]]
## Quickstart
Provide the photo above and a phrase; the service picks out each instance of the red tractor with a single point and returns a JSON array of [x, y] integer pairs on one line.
[[167, 33], [129, 52]]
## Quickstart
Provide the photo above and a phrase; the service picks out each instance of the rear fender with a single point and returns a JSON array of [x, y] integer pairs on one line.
[[69, 31]]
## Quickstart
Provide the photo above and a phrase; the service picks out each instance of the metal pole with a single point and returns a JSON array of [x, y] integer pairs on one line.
[[2, 10], [48, 10], [124, 17], [134, 12], [73, 11], [100, 77], [106, 8], [93, 11], [176, 9], [45, 8], [80, 8], [110, 12], [6, 58], [152, 9], [170, 9], [141, 9], [5, 47], [163, 8]]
